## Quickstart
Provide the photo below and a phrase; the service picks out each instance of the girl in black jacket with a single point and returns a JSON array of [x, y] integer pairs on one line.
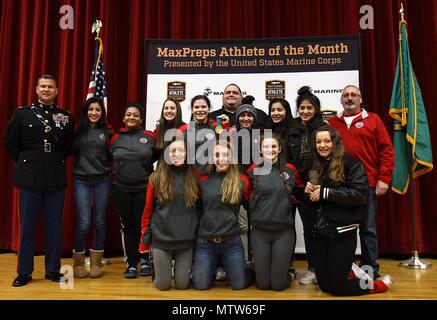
[[300, 142], [171, 118], [339, 190], [170, 217], [281, 119]]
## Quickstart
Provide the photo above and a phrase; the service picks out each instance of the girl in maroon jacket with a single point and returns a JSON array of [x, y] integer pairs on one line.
[[171, 218]]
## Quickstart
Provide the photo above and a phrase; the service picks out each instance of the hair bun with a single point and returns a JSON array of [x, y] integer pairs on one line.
[[248, 99], [305, 90]]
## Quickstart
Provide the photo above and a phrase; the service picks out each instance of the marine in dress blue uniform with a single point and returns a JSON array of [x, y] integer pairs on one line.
[[39, 138]]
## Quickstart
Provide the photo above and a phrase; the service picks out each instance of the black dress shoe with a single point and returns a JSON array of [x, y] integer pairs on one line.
[[21, 280], [55, 276]]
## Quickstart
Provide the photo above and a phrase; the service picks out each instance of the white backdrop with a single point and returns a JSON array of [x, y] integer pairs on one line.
[[329, 82]]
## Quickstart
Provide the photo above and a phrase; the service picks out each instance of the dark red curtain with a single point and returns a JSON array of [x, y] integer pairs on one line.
[[32, 43]]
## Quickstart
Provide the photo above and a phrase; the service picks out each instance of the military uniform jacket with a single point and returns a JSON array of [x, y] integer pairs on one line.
[[39, 138]]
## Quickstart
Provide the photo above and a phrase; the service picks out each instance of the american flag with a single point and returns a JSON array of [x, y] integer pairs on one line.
[[97, 85]]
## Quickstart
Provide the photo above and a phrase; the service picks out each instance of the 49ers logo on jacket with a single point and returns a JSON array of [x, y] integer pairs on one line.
[[359, 124], [176, 90], [285, 175], [143, 140]]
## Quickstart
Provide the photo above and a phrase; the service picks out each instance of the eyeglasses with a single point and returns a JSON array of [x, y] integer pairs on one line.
[[352, 95]]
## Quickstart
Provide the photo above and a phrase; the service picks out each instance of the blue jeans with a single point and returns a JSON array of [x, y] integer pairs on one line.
[[30, 205], [368, 238], [231, 253], [90, 194]]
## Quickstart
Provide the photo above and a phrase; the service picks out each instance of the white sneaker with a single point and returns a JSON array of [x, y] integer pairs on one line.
[[309, 278], [221, 275], [292, 273], [387, 279]]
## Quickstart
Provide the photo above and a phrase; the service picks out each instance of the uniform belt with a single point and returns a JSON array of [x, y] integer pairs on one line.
[[47, 147], [221, 239]]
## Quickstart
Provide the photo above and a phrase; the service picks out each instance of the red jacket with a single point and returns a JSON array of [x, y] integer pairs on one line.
[[367, 140]]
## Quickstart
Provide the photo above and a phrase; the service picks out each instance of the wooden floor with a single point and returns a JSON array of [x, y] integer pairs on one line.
[[409, 284]]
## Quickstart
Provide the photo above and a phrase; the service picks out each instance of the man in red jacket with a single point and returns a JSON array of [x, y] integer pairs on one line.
[[365, 137]]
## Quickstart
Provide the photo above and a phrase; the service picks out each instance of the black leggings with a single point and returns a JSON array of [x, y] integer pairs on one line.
[[130, 206], [333, 260]]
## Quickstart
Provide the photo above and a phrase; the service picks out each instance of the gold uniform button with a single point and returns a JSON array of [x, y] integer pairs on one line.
[[45, 140], [46, 121]]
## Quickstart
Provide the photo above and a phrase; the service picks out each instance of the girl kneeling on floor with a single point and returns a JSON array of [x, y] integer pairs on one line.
[[170, 218], [223, 191], [339, 192]]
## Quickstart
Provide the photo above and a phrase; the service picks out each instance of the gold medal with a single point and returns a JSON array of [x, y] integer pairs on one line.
[[218, 129]]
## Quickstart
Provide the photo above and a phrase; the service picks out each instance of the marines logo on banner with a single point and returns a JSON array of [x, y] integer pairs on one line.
[[327, 114], [176, 90], [275, 89]]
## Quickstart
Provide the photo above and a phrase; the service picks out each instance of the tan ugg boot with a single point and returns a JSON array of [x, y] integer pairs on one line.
[[79, 270], [96, 263]]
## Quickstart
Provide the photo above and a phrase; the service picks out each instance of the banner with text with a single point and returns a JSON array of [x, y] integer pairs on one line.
[[263, 68]]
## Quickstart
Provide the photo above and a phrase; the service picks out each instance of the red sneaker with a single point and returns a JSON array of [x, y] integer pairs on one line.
[[382, 284]]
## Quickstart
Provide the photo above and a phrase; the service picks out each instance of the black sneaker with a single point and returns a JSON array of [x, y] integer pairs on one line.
[[131, 272], [55, 276], [21, 280], [292, 273], [146, 270]]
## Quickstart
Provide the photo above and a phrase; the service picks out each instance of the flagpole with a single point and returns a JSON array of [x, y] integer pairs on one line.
[[414, 262], [96, 27]]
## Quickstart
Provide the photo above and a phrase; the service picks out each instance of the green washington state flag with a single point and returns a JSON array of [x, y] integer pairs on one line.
[[411, 138]]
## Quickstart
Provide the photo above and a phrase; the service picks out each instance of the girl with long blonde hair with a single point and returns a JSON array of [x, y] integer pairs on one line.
[[223, 190], [170, 218]]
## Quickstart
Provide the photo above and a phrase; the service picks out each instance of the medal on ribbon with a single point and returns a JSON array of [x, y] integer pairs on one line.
[[219, 128]]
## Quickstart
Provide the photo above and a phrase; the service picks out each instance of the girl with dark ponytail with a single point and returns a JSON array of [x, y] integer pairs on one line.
[[301, 145]]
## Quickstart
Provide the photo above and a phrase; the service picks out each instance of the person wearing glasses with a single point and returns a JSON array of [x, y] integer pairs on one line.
[[365, 138]]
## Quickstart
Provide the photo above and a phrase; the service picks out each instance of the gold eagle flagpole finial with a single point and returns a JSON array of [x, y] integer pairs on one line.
[[97, 25], [401, 11]]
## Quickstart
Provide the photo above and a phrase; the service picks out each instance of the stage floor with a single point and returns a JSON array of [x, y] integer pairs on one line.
[[408, 284]]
